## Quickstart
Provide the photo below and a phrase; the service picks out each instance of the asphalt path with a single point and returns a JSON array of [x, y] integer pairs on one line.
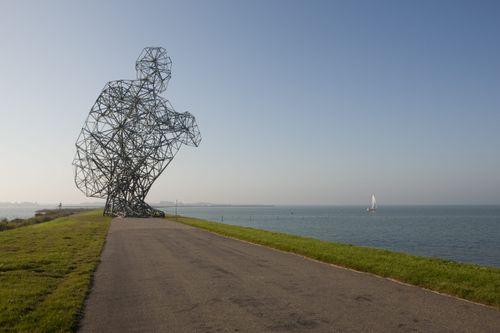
[[162, 276]]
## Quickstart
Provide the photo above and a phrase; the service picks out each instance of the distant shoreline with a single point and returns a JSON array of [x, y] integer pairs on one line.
[[208, 205], [26, 204]]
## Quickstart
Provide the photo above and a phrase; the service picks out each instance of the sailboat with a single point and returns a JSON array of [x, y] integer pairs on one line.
[[373, 206]]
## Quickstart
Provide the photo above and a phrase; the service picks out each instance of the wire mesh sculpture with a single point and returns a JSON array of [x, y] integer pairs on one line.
[[130, 136]]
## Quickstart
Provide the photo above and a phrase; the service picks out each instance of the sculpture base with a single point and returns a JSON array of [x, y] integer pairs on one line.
[[125, 209]]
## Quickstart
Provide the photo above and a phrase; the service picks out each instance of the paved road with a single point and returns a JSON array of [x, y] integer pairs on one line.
[[160, 276]]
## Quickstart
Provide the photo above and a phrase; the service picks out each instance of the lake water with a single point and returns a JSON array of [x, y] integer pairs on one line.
[[461, 233], [20, 212], [24, 212]]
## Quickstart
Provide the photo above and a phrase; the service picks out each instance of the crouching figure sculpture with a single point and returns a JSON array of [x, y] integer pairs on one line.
[[130, 136]]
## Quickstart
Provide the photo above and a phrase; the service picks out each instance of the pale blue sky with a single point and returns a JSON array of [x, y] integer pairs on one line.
[[298, 102]]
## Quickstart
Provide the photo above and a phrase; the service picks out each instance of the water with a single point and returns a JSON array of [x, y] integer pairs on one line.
[[20, 212], [460, 233], [24, 212]]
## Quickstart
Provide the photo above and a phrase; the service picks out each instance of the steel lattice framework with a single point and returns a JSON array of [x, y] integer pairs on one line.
[[130, 136]]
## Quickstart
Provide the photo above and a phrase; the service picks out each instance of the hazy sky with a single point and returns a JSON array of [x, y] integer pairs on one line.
[[298, 102]]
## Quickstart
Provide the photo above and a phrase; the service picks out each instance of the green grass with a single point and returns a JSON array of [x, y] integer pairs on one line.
[[471, 282], [45, 272]]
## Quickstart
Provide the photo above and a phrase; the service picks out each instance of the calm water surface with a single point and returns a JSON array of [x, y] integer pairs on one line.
[[20, 212], [460, 233], [27, 211]]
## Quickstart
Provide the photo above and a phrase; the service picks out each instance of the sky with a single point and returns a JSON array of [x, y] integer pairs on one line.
[[298, 102]]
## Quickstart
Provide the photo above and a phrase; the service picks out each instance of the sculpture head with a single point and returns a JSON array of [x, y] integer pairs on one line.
[[154, 66]]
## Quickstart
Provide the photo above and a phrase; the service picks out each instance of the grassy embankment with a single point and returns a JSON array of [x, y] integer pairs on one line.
[[41, 216], [471, 282], [45, 271]]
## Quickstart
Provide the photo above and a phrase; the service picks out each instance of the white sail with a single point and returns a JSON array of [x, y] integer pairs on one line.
[[373, 206]]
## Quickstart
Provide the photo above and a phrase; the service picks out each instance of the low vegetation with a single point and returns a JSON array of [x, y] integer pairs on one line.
[[45, 272], [41, 216], [471, 282]]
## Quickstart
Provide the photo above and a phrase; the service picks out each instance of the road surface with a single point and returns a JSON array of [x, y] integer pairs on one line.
[[161, 276]]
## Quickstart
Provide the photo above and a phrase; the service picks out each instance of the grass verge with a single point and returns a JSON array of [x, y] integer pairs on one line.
[[468, 281], [46, 269]]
